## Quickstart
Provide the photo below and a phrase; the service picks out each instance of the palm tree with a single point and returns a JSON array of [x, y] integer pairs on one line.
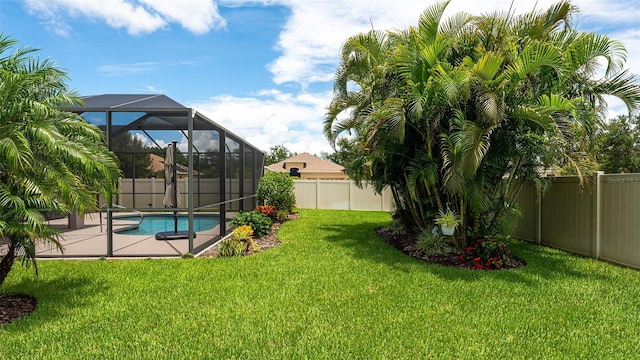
[[471, 108], [50, 160]]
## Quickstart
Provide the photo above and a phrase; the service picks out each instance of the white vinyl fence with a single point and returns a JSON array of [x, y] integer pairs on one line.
[[340, 195]]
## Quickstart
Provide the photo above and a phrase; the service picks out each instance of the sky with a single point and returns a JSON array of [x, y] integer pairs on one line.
[[262, 69]]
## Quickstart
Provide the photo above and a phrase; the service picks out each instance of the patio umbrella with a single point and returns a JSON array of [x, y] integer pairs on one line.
[[171, 197]]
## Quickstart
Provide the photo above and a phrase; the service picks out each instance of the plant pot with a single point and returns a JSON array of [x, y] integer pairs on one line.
[[447, 230]]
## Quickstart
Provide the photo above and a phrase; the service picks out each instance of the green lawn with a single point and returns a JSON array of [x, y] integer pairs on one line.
[[331, 291]]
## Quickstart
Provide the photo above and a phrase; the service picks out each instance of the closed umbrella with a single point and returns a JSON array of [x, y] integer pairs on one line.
[[171, 196]]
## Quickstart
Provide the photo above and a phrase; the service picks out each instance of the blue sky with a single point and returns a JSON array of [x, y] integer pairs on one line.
[[261, 68]]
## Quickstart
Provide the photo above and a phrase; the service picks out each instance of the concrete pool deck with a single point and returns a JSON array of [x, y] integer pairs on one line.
[[90, 241]]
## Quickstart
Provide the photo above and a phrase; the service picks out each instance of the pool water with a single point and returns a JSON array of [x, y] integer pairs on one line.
[[152, 224]]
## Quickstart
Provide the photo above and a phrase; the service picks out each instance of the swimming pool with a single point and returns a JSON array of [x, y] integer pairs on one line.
[[155, 223]]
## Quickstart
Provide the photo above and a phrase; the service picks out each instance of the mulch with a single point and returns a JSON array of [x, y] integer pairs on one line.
[[265, 242], [406, 243], [14, 307]]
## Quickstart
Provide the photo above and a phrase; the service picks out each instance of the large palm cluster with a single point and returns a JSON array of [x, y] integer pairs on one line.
[[459, 113]]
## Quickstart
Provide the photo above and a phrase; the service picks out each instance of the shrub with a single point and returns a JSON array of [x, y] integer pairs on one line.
[[188, 256], [231, 247], [282, 215], [397, 227], [486, 254], [243, 233], [433, 244], [269, 211], [276, 189], [260, 224]]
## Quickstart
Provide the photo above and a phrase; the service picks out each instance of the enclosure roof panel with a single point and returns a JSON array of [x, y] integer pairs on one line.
[[152, 112], [128, 102]]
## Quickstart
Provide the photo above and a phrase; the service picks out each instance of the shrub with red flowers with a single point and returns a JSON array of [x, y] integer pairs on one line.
[[486, 253], [269, 211]]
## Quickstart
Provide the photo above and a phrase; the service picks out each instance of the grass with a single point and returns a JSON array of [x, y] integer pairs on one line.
[[331, 291]]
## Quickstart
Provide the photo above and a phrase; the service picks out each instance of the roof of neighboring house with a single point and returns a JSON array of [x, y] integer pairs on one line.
[[311, 164], [157, 164]]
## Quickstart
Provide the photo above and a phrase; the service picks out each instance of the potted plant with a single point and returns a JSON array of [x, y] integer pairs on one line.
[[448, 221]]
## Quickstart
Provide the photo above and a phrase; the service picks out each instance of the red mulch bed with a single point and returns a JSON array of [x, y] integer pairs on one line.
[[406, 244]]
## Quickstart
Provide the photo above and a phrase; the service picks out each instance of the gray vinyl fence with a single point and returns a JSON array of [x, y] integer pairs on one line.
[[340, 195], [601, 221]]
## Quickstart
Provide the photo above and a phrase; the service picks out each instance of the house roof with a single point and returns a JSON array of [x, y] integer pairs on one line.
[[311, 164], [157, 164]]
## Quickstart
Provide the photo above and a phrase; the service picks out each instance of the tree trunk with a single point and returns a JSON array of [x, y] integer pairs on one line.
[[7, 263]]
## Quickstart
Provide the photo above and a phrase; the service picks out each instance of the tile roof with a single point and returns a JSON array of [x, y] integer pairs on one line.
[[312, 164], [157, 164]]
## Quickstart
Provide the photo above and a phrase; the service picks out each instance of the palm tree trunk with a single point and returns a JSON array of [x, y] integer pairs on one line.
[[7, 263]]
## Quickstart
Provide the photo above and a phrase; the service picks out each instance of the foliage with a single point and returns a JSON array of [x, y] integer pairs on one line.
[[619, 148], [448, 218], [487, 253], [397, 227], [432, 244], [243, 233], [269, 211], [465, 110], [276, 189], [276, 154], [133, 152], [238, 243], [231, 247], [260, 224], [347, 153], [188, 256], [282, 215], [51, 161]]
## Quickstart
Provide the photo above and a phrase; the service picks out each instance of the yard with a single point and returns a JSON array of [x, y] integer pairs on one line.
[[332, 290]]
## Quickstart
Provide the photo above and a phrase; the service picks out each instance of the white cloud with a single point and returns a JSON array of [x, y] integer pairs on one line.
[[152, 89], [271, 118], [311, 38], [115, 70], [138, 17], [197, 16]]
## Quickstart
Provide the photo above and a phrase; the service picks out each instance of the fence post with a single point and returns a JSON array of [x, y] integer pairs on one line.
[[317, 193], [349, 185], [539, 217], [597, 205]]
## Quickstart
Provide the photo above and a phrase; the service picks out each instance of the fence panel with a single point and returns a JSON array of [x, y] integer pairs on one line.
[[333, 195], [620, 228], [529, 207], [601, 221], [306, 194], [340, 195], [567, 216]]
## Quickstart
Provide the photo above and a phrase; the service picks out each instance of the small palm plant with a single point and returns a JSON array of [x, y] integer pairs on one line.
[[51, 161], [448, 220]]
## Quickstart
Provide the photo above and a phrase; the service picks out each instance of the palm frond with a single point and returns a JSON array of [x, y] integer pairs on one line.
[[625, 87]]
